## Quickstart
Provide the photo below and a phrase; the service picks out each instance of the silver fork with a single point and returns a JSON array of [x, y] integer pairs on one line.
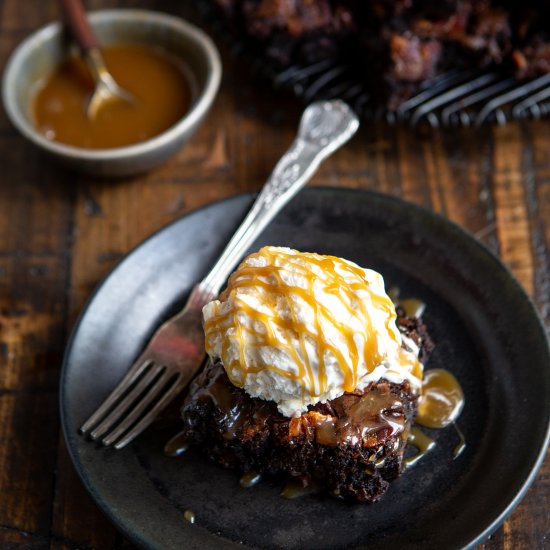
[[176, 351]]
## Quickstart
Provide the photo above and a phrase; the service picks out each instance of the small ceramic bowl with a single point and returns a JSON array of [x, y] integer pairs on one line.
[[43, 51]]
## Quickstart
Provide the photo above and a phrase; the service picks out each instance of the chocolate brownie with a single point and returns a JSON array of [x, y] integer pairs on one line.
[[351, 446]]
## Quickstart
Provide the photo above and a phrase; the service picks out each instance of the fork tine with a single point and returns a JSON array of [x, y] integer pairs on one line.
[[113, 397], [136, 412], [115, 415], [152, 414]]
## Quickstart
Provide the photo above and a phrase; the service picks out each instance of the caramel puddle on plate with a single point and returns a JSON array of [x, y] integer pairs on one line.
[[442, 399], [250, 479], [177, 446], [296, 488], [189, 515], [440, 404]]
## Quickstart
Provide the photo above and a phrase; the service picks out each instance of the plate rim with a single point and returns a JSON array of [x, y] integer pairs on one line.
[[423, 211]]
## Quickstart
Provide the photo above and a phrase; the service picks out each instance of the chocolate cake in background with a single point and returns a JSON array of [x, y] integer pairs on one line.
[[396, 46]]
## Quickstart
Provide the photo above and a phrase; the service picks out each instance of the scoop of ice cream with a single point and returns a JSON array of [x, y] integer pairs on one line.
[[298, 328]]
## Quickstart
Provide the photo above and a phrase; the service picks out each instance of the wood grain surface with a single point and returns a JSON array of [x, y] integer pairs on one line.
[[61, 233]]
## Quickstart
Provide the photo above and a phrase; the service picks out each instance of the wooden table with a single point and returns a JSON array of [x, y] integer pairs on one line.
[[61, 233]]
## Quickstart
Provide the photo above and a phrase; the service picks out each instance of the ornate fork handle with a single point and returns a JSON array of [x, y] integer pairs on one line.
[[176, 351], [324, 127]]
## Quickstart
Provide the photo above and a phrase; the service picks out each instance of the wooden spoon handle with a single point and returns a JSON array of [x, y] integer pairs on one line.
[[78, 23]]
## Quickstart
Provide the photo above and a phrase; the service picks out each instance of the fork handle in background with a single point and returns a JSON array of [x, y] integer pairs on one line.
[[324, 127], [176, 351], [77, 21]]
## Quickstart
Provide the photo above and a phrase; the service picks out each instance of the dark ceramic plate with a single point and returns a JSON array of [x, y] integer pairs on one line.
[[486, 330]]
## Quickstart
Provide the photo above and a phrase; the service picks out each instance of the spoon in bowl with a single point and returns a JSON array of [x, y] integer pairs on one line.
[[106, 90]]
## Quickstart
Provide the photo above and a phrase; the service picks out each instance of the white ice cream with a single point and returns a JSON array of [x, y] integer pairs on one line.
[[299, 328]]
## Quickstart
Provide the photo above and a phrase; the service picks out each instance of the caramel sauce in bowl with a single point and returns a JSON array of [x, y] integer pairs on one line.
[[160, 84], [40, 55]]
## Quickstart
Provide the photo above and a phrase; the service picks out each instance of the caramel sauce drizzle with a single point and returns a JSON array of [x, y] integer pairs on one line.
[[322, 274]]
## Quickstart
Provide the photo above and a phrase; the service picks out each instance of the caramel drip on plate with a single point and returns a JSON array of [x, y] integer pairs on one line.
[[177, 446], [299, 487], [292, 282], [422, 442], [441, 401], [250, 479], [461, 446], [189, 515]]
